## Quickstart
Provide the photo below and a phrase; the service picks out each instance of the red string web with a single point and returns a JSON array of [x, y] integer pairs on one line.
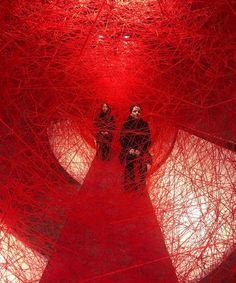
[[64, 214]]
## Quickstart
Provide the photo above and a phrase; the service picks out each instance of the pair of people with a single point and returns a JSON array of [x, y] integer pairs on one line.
[[135, 139]]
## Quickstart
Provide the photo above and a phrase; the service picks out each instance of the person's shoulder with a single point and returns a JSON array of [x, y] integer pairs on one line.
[[143, 122], [127, 123], [128, 120]]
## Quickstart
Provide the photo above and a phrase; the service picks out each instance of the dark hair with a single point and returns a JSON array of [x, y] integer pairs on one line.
[[132, 107], [108, 110], [108, 106]]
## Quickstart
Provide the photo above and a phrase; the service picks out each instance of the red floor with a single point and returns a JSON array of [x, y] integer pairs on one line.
[[110, 235]]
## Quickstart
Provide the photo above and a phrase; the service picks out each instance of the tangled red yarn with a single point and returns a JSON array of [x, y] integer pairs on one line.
[[64, 214]]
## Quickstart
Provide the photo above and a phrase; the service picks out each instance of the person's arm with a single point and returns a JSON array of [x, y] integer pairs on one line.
[[111, 125], [146, 141], [124, 139]]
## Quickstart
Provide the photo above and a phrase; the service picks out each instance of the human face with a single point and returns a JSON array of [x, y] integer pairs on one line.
[[104, 108], [136, 112]]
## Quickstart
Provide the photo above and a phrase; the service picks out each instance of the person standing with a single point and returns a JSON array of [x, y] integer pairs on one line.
[[105, 125], [135, 139]]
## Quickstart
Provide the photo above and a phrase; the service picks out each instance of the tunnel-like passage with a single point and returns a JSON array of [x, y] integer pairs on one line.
[[64, 214]]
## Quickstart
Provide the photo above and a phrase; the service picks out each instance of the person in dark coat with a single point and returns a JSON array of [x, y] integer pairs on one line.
[[135, 139], [105, 125]]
